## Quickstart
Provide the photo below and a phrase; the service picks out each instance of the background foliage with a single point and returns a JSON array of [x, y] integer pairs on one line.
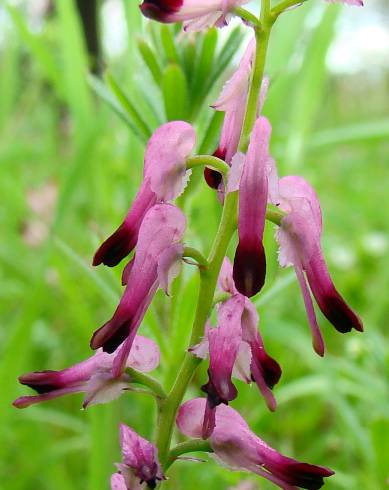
[[71, 157]]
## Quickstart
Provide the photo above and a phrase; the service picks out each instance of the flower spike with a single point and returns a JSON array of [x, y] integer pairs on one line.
[[236, 446], [164, 178]]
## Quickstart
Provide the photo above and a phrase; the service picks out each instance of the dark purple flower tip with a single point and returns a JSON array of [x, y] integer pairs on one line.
[[41, 381], [214, 396], [271, 370], [160, 9], [209, 421], [302, 475], [213, 178], [110, 336], [149, 476], [249, 269], [337, 312], [116, 247]]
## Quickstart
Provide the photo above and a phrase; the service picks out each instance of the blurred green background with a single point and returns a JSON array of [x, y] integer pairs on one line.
[[71, 148]]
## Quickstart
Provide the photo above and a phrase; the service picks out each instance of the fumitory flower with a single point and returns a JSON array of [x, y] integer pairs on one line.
[[92, 376], [232, 101], [299, 237], [164, 178], [236, 349], [236, 446], [157, 254], [250, 261], [139, 462], [196, 14]]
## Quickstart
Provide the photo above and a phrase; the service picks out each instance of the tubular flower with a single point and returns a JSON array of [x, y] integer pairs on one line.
[[139, 462], [236, 349], [92, 376], [253, 362], [157, 253], [224, 342], [250, 261], [299, 239], [196, 14], [164, 178], [235, 445], [232, 101]]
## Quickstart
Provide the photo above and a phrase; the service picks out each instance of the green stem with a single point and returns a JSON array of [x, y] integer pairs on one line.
[[262, 41], [196, 255], [208, 161], [208, 277], [275, 215], [246, 15], [285, 5], [148, 381], [191, 446]]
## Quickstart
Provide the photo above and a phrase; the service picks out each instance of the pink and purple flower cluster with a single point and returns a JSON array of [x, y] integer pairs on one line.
[[154, 227]]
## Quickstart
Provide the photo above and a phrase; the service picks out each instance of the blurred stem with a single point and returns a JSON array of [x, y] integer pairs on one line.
[[196, 255], [246, 15], [285, 5], [191, 446], [262, 35], [208, 161], [208, 277], [148, 381], [275, 215]]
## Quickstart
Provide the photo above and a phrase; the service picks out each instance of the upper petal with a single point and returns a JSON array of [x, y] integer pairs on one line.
[[145, 354], [165, 158]]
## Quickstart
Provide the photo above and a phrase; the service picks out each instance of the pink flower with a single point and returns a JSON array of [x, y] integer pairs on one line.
[[196, 14], [235, 445], [236, 349], [299, 239], [164, 178], [232, 101], [250, 261], [92, 376], [157, 253], [139, 462]]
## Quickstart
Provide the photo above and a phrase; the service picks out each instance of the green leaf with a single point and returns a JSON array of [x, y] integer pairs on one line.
[[150, 60], [101, 89], [175, 93], [168, 44], [129, 107]]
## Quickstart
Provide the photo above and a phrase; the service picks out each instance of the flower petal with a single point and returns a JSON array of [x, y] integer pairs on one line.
[[165, 159], [141, 456], [162, 226], [224, 342], [145, 354], [250, 261], [124, 239], [169, 266]]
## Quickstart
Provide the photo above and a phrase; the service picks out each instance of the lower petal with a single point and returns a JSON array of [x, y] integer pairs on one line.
[[317, 338]]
